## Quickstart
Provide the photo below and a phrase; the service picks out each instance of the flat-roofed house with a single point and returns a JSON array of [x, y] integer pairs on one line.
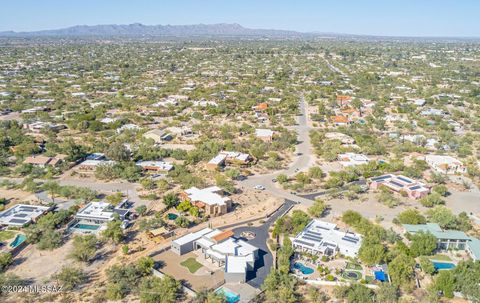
[[43, 161], [210, 200], [22, 214], [155, 165], [92, 164], [339, 120], [264, 134], [40, 161], [447, 239], [228, 157], [94, 216], [413, 189], [236, 256], [324, 238], [445, 164], [157, 135], [352, 159]]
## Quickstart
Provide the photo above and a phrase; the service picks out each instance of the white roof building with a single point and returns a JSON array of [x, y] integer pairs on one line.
[[264, 133], [100, 212], [207, 195], [445, 164], [132, 127], [320, 237], [22, 214], [237, 256], [352, 159]]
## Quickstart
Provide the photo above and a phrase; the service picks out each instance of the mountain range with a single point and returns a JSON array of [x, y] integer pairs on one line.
[[139, 30]]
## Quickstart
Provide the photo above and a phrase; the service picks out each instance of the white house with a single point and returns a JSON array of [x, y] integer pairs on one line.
[[22, 214], [264, 134], [235, 255], [352, 159], [445, 164], [323, 238]]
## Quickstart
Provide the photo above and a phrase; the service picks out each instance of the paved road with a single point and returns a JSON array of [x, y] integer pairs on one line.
[[301, 162], [265, 261]]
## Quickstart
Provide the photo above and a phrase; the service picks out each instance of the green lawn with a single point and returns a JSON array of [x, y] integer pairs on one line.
[[6, 235], [191, 264], [440, 257]]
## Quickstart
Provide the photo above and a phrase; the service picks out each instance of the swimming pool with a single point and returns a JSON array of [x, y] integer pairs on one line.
[[304, 269], [87, 226], [443, 265], [172, 216], [381, 276], [229, 295], [19, 239]]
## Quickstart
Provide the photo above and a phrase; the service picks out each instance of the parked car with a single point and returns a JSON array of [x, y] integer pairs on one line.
[[125, 224], [259, 187]]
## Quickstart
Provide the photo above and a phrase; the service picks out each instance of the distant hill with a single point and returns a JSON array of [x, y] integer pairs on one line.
[[139, 30]]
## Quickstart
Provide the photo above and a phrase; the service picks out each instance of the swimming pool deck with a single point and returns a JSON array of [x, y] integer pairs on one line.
[[247, 292]]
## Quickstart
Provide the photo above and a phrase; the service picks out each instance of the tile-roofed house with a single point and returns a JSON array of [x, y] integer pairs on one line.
[[339, 120]]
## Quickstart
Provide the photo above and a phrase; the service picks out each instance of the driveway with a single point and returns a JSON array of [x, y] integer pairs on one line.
[[265, 260]]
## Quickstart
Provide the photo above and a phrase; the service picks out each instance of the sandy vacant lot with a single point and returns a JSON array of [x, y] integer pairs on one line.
[[17, 195], [39, 265]]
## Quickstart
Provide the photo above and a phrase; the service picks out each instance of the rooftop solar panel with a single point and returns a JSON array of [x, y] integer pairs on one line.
[[350, 240], [20, 221], [313, 233], [396, 184], [27, 208], [380, 178], [349, 237], [303, 242], [21, 215], [404, 180], [415, 187], [317, 239]]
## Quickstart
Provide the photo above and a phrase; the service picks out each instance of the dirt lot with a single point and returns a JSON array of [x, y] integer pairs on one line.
[[201, 279], [39, 265], [17, 196]]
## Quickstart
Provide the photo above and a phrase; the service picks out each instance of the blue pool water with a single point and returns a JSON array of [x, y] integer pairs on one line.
[[229, 295], [87, 226], [19, 239], [172, 216], [304, 269], [381, 276], [443, 265]]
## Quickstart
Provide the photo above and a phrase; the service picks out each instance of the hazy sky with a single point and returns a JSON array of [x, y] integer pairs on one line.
[[380, 17]]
